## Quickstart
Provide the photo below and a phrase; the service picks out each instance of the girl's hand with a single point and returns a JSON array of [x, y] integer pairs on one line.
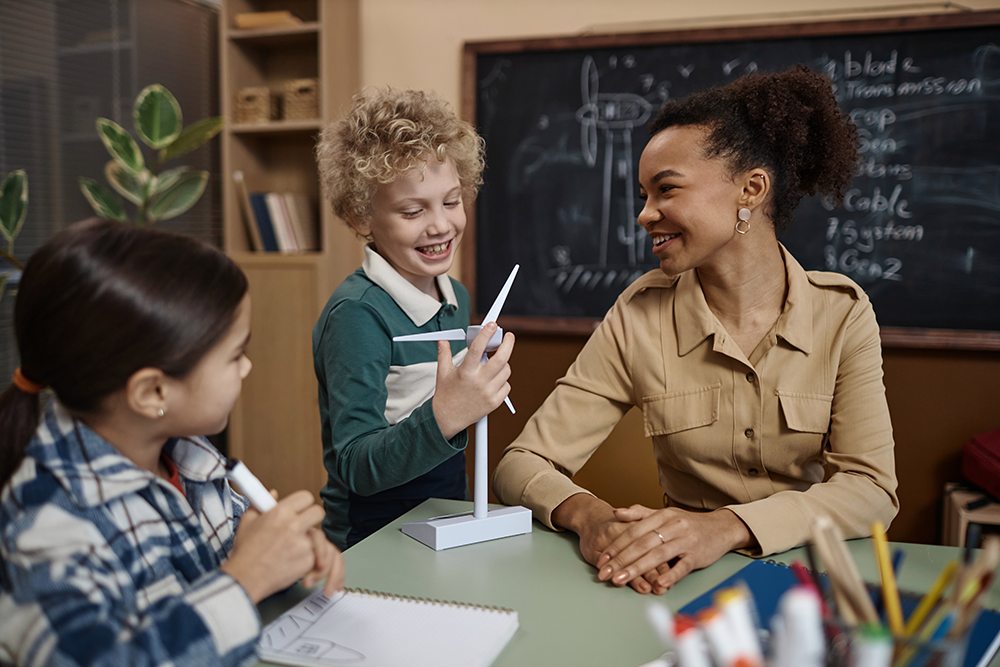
[[275, 549], [329, 564], [465, 394], [670, 542]]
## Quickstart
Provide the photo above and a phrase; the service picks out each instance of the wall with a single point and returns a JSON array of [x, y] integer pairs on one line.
[[937, 399]]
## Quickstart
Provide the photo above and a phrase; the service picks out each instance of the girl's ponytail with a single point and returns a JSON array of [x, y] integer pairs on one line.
[[19, 414]]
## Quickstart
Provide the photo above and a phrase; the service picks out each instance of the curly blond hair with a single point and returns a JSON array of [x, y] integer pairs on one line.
[[386, 133]]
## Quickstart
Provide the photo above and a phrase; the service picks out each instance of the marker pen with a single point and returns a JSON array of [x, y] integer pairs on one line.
[[802, 629], [249, 485], [871, 647], [662, 621], [690, 643], [719, 637], [736, 607]]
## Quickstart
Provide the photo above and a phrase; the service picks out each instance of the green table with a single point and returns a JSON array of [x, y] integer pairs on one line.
[[566, 616]]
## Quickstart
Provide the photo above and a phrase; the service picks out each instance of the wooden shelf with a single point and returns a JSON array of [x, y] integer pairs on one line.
[[276, 36], [277, 127]]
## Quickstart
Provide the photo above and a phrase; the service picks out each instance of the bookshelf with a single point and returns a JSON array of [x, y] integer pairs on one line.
[[275, 425]]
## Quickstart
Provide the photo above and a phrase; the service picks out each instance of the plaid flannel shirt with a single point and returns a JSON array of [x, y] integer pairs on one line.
[[107, 564]]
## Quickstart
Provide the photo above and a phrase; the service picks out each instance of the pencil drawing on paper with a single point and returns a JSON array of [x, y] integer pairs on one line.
[[293, 636]]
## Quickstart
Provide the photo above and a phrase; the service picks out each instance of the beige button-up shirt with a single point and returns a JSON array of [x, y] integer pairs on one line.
[[799, 429]]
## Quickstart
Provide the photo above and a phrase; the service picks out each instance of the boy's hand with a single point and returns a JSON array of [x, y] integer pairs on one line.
[[465, 394]]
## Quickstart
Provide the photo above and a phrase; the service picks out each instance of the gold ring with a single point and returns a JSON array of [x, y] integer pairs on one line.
[[663, 540]]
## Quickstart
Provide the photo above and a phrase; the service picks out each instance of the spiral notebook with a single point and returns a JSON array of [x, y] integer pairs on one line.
[[372, 629], [768, 580]]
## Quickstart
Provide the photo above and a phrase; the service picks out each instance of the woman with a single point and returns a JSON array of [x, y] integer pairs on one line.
[[760, 383]]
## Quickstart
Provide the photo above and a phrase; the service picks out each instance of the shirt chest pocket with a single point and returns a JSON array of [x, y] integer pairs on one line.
[[672, 412], [806, 412]]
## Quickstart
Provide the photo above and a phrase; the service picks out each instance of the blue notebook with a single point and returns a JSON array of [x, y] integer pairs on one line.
[[768, 580]]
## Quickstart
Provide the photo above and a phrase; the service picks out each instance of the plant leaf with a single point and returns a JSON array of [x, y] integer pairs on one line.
[[193, 136], [120, 145], [157, 116], [165, 180], [128, 185], [179, 197], [104, 203], [13, 203]]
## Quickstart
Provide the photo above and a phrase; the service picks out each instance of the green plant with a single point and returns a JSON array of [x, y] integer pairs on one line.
[[157, 196], [13, 207]]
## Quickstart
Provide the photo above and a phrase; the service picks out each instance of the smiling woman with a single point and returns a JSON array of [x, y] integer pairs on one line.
[[760, 384], [399, 169]]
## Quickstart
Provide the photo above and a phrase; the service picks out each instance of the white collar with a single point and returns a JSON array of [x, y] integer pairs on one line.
[[419, 307]]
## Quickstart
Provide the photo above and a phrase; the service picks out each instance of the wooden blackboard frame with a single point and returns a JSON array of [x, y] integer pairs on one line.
[[903, 337]]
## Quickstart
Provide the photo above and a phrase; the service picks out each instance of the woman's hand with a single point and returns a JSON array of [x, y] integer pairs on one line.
[[670, 543], [463, 394], [275, 549], [594, 521]]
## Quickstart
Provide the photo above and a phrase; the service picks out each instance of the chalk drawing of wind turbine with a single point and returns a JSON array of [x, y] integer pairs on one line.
[[615, 115], [483, 524]]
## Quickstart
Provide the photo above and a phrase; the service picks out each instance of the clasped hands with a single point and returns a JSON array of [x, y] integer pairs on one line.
[[651, 550]]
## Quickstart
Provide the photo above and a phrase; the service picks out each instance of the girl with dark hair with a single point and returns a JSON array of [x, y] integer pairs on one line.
[[760, 383], [121, 541]]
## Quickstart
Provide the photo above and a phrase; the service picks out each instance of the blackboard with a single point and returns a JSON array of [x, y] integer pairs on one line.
[[564, 120]]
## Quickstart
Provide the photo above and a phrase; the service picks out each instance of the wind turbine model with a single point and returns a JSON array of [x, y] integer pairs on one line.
[[483, 524]]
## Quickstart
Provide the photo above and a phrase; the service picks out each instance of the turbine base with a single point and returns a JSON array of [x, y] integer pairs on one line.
[[459, 530]]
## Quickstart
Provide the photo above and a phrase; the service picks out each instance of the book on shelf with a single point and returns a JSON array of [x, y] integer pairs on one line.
[[285, 222], [303, 217], [262, 219], [270, 19], [383, 629], [249, 220], [280, 222]]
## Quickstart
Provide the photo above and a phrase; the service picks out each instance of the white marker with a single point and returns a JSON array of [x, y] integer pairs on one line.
[[250, 486], [662, 621]]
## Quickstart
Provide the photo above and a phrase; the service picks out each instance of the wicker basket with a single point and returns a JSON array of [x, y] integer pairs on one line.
[[301, 99], [256, 104]]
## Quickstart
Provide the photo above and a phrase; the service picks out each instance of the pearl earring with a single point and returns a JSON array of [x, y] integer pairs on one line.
[[744, 219], [161, 412]]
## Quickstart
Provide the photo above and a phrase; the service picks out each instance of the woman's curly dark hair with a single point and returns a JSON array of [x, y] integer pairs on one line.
[[788, 123]]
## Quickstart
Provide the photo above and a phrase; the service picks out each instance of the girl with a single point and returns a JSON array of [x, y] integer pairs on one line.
[[399, 169], [122, 542]]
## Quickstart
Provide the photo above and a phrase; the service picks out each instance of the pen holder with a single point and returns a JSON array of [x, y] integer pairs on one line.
[[856, 647]]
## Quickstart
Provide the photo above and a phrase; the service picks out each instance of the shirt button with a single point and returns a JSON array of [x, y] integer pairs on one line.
[[751, 377], [748, 433], [753, 472]]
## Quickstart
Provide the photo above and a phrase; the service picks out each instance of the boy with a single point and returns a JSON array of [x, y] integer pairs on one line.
[[399, 169]]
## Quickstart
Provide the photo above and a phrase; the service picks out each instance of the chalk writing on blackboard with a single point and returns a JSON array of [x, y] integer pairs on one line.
[[918, 227]]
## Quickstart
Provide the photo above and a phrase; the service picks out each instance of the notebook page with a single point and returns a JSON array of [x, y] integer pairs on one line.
[[379, 630]]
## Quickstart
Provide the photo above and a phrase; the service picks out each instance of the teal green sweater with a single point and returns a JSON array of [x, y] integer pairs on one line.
[[382, 448]]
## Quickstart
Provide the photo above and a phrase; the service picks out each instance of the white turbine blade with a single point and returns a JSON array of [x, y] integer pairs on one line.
[[448, 334], [494, 311]]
